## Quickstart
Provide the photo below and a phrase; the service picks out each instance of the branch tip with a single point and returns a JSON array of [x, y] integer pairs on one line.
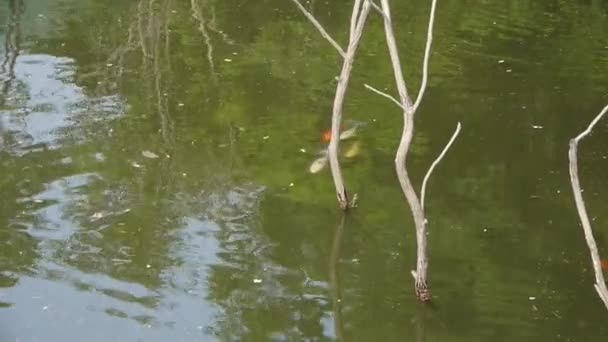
[[436, 162]]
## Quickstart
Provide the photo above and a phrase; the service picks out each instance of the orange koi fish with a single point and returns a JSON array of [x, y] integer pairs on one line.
[[346, 134], [326, 137]]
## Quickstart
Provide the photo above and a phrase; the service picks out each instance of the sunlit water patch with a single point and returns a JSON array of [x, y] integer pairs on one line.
[[43, 107]]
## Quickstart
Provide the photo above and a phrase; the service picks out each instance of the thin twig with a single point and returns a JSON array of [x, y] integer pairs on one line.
[[427, 53], [321, 29], [381, 93], [600, 283], [435, 163], [591, 125], [354, 18]]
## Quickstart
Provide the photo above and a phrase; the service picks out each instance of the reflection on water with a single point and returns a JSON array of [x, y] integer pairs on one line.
[[42, 106], [154, 174]]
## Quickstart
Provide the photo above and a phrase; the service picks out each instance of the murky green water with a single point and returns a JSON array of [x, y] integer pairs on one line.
[[154, 173]]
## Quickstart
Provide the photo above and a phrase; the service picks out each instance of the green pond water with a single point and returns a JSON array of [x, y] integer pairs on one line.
[[155, 184]]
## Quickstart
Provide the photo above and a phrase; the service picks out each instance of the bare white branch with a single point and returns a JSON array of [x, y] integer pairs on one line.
[[407, 135], [600, 283], [436, 162], [377, 8], [336, 117], [422, 291], [381, 93], [354, 18], [319, 27], [427, 54], [591, 125], [394, 54]]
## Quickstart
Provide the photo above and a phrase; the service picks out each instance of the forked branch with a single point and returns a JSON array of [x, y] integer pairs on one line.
[[427, 54], [600, 283], [409, 111], [336, 117], [388, 96], [357, 23]]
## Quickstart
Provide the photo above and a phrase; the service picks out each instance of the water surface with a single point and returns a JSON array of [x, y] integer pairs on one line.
[[154, 173]]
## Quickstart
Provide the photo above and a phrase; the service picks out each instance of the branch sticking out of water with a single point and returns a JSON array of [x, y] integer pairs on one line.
[[357, 23], [407, 135], [600, 283], [336, 117]]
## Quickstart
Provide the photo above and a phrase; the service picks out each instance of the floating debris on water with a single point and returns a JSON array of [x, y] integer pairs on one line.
[[149, 154], [96, 216]]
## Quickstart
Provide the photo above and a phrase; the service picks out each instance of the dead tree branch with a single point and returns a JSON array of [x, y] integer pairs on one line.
[[377, 8], [381, 93], [436, 162], [336, 117], [354, 18], [319, 27], [427, 54], [357, 23], [600, 283], [409, 112]]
